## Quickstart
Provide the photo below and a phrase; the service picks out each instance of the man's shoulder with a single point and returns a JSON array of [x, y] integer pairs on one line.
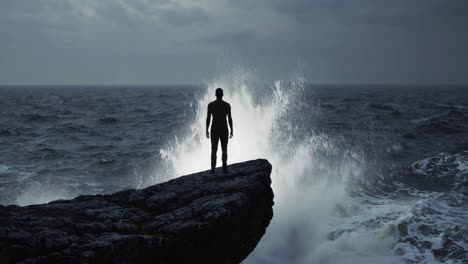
[[217, 103]]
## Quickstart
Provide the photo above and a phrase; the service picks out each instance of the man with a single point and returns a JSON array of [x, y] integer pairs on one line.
[[219, 109]]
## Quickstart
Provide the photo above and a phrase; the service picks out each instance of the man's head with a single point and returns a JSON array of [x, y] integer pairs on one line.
[[219, 93]]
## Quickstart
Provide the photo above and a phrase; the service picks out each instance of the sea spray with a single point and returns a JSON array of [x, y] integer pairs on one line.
[[310, 170]]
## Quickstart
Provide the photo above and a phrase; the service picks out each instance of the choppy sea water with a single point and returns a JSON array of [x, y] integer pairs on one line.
[[361, 174]]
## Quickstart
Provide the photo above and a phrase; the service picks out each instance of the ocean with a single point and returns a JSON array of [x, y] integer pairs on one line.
[[361, 173]]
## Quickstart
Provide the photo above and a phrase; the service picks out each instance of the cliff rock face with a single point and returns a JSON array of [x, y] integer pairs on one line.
[[197, 218]]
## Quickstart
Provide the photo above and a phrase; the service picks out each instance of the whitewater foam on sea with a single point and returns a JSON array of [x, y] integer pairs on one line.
[[309, 177]]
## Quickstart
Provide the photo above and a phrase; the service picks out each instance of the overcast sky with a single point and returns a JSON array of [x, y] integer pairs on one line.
[[190, 41]]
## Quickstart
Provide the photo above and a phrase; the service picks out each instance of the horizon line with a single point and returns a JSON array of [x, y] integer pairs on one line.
[[201, 84]]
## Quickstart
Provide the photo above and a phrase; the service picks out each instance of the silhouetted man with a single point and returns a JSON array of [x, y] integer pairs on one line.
[[219, 109]]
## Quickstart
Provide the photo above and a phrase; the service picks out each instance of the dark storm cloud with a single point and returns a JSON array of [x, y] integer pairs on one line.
[[400, 13], [420, 15], [337, 41], [452, 8]]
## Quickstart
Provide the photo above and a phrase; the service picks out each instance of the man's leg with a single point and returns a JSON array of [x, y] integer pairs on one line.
[[224, 143], [214, 149]]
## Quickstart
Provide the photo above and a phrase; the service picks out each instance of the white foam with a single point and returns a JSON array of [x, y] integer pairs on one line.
[[309, 172]]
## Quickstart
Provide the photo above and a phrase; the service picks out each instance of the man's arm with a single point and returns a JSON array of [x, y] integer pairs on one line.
[[230, 121], [208, 119]]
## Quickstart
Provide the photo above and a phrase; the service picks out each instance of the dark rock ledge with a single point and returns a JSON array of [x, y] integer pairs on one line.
[[198, 218]]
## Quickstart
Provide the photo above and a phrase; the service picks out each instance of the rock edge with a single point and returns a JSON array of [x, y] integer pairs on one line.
[[197, 218]]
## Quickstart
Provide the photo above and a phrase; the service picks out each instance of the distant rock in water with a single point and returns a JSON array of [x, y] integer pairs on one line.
[[198, 218]]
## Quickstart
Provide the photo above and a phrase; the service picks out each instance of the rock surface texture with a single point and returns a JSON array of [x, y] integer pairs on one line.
[[197, 218]]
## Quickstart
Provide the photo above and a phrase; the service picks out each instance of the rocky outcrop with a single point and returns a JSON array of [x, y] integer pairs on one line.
[[198, 218]]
